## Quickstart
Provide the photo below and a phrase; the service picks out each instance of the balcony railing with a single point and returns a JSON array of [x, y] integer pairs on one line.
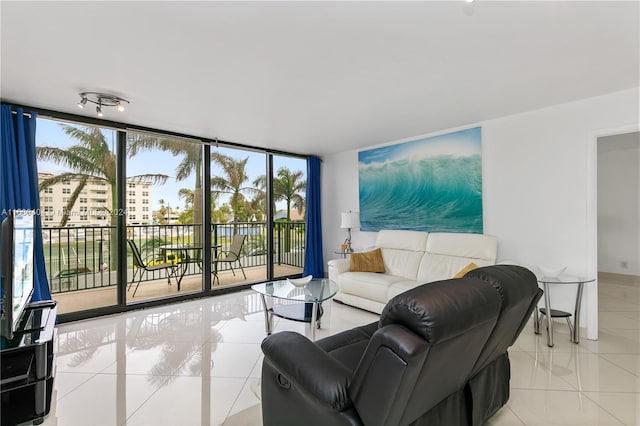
[[79, 258]]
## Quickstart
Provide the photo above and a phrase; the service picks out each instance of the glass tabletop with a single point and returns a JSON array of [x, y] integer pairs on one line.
[[185, 246], [316, 290], [565, 279]]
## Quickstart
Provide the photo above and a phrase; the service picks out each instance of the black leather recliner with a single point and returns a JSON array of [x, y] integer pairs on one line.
[[437, 356], [488, 388]]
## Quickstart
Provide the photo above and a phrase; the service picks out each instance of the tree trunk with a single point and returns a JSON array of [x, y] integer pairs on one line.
[[287, 229], [113, 231], [198, 235], [198, 232]]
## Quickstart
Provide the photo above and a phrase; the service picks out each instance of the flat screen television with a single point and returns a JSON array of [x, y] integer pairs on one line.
[[16, 268]]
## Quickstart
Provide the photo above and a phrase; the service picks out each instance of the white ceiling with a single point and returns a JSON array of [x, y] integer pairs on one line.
[[316, 77]]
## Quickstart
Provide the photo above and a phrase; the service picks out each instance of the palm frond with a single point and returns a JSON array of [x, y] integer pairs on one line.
[[156, 179], [137, 142], [64, 177], [67, 158], [221, 184], [87, 136]]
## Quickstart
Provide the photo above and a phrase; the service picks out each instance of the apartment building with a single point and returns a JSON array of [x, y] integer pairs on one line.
[[93, 205]]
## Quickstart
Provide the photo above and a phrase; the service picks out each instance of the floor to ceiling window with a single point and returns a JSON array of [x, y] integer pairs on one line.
[[289, 193], [132, 217], [77, 176]]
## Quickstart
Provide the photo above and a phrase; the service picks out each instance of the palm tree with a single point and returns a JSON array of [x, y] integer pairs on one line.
[[186, 217], [90, 160], [191, 153], [163, 215], [287, 186], [232, 183], [187, 195]]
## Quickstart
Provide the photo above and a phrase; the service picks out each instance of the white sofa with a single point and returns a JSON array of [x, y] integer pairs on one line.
[[411, 258]]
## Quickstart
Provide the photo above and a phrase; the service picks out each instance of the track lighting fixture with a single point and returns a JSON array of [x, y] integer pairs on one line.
[[102, 99]]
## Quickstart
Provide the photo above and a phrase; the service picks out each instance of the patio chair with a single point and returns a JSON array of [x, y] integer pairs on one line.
[[139, 265], [230, 257]]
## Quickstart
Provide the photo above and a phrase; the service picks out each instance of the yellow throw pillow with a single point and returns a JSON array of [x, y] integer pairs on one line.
[[370, 261], [463, 271]]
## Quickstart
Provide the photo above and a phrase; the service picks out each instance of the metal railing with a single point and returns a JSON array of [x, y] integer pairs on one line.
[[79, 258]]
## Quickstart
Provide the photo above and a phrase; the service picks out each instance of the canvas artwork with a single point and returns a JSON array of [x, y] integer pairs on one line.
[[432, 184]]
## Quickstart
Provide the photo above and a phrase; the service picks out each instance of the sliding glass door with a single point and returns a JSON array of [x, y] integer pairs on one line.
[[289, 183], [163, 207], [238, 215]]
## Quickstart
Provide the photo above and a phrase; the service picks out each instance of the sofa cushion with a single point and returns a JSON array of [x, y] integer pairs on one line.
[[402, 263], [401, 286], [402, 240], [436, 267], [368, 285], [474, 246], [370, 261]]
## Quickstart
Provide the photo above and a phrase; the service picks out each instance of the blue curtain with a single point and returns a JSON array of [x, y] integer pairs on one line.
[[313, 261], [19, 182]]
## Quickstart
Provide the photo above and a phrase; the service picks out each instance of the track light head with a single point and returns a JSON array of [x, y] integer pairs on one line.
[[82, 103]]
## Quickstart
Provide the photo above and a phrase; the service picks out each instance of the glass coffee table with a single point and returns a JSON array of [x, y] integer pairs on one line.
[[300, 303]]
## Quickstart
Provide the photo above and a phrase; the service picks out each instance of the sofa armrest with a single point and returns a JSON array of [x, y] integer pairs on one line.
[[337, 267], [309, 367]]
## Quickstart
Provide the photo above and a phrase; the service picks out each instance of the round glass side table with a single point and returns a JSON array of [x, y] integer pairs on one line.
[[564, 280]]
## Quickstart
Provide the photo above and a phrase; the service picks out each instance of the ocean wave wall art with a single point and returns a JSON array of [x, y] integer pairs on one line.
[[432, 184]]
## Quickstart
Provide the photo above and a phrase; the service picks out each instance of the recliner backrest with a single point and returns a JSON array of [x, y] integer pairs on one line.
[[518, 288], [428, 342]]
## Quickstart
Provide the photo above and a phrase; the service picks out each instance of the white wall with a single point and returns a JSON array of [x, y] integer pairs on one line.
[[538, 188], [619, 204]]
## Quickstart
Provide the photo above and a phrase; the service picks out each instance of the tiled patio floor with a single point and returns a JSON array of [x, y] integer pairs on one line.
[[158, 289]]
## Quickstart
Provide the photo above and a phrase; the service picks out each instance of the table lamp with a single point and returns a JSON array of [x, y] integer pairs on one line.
[[349, 221]]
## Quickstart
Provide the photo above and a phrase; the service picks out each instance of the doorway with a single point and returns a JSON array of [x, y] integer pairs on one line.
[[618, 226]]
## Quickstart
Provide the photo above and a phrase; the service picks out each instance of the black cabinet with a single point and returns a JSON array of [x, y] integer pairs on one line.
[[27, 364]]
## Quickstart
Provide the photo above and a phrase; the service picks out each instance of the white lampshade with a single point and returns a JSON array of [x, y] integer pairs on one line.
[[350, 220]]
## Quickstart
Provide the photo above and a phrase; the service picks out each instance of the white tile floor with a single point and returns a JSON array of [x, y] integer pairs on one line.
[[198, 363]]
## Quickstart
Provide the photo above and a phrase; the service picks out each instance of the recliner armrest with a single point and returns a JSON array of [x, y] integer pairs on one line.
[[386, 375], [309, 367]]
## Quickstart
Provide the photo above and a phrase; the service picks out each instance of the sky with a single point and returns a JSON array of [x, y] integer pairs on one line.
[[50, 133]]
